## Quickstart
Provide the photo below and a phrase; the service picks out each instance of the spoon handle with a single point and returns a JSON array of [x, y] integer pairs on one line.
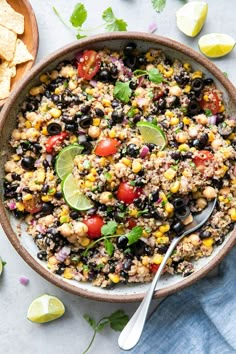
[[131, 334]]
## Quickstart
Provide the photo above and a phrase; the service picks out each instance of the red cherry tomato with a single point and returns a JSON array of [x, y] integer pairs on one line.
[[202, 158], [131, 223], [94, 224], [33, 205], [127, 193], [212, 104], [154, 267], [106, 147], [89, 64], [55, 140]]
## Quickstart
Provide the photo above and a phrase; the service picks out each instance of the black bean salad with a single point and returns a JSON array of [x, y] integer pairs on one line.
[[114, 152]]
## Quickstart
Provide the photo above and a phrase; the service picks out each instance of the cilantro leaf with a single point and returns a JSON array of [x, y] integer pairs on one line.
[[158, 5], [140, 72], [122, 91], [118, 320], [90, 321], [112, 23], [155, 76], [102, 324], [208, 112], [134, 235], [109, 228], [79, 36], [109, 247], [79, 15]]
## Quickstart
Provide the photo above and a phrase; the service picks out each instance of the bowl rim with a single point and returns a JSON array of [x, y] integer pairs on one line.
[[81, 44]]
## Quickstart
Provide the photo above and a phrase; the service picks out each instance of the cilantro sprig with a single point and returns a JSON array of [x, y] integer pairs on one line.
[[108, 232], [117, 321], [153, 74], [79, 16]]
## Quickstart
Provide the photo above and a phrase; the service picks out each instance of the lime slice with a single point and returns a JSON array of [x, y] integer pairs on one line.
[[45, 308], [152, 134], [72, 194], [65, 160], [191, 17], [215, 45]]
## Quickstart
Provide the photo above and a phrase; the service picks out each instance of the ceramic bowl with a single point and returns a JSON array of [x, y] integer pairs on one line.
[[30, 37], [24, 244]]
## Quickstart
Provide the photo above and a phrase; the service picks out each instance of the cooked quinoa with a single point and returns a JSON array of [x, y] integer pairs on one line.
[[144, 188]]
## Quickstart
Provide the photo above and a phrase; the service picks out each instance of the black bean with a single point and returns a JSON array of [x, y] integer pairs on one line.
[[15, 176], [54, 128], [133, 84], [42, 255], [178, 203], [177, 227], [18, 214], [55, 98], [74, 214], [176, 155], [122, 242], [61, 269], [117, 117], [139, 248], [85, 109], [92, 211], [162, 249], [129, 48], [136, 118], [154, 196], [220, 241], [66, 119], [27, 163], [204, 234], [99, 112], [39, 237], [114, 72], [196, 143], [187, 155], [130, 61], [218, 183], [148, 250], [70, 127], [115, 104], [175, 102], [58, 195], [104, 75], [123, 274], [45, 188], [203, 140], [161, 104], [182, 213], [208, 81], [88, 147], [193, 108], [197, 84], [151, 146], [47, 208], [127, 264], [141, 60], [85, 121], [132, 150]]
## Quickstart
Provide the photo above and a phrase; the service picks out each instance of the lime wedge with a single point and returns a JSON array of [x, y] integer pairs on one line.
[[215, 45], [64, 162], [191, 17], [45, 308], [72, 194], [152, 134]]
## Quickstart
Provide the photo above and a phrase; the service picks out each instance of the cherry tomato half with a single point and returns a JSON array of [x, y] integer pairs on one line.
[[94, 224], [202, 158], [55, 140], [213, 103], [106, 147], [127, 193], [89, 64], [154, 267], [34, 205]]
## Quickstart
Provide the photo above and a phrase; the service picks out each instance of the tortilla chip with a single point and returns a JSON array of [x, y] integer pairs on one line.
[[5, 80], [21, 54], [11, 19], [7, 43]]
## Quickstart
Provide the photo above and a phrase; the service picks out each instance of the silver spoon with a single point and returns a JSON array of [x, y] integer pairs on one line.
[[131, 334]]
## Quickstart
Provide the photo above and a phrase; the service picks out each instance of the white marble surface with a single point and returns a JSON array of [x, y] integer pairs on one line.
[[71, 334]]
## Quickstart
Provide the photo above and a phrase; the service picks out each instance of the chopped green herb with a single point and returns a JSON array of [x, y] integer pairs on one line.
[[109, 247], [132, 112], [108, 176], [153, 74], [122, 91], [158, 5], [79, 15], [134, 235], [132, 183], [142, 212], [183, 109], [192, 164], [225, 73], [109, 228], [87, 164], [208, 112], [85, 267], [112, 23]]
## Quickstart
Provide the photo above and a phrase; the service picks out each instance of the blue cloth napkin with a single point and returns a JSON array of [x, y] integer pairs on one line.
[[198, 320]]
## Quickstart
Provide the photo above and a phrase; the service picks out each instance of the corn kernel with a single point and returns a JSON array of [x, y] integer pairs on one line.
[[197, 74], [187, 67], [40, 176], [158, 234], [28, 175], [234, 181], [145, 233], [91, 177], [174, 188], [145, 260], [52, 260], [52, 191], [34, 91], [174, 121], [104, 260], [73, 139], [208, 242], [96, 122], [120, 230], [222, 108], [169, 207], [89, 91], [88, 184], [37, 125], [44, 131], [115, 278], [134, 103], [112, 133], [187, 89], [169, 174], [211, 136], [20, 206], [136, 166], [103, 161], [159, 154], [163, 196], [106, 103], [68, 273], [44, 78], [168, 73], [46, 198], [149, 57], [206, 98], [157, 259], [28, 124], [133, 212], [126, 162], [232, 213], [221, 198], [164, 228], [16, 157], [160, 68], [183, 147], [64, 219], [93, 171], [163, 240], [186, 120], [58, 90], [55, 112], [27, 197], [169, 114], [84, 241]]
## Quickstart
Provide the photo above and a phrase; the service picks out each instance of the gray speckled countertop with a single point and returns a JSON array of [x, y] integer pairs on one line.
[[71, 334]]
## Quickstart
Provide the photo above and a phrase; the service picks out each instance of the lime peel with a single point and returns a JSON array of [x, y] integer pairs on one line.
[[65, 160], [216, 45], [191, 17], [152, 134], [45, 308]]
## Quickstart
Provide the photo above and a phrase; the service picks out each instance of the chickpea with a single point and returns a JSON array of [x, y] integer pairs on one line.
[[193, 132], [65, 230], [216, 144], [175, 91], [201, 203], [80, 229], [10, 166], [194, 239], [16, 135], [54, 74], [182, 137], [106, 198], [225, 191], [94, 132], [209, 192], [202, 119]]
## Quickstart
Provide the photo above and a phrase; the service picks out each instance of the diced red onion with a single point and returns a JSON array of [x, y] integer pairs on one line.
[[37, 163], [40, 228], [141, 101], [159, 201], [152, 27], [140, 80], [23, 280], [63, 254], [233, 118], [49, 158], [82, 139], [212, 120], [93, 83], [11, 205], [235, 171], [144, 151]]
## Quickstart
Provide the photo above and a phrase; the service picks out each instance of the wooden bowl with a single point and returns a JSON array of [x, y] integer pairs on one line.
[[24, 244], [30, 37]]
